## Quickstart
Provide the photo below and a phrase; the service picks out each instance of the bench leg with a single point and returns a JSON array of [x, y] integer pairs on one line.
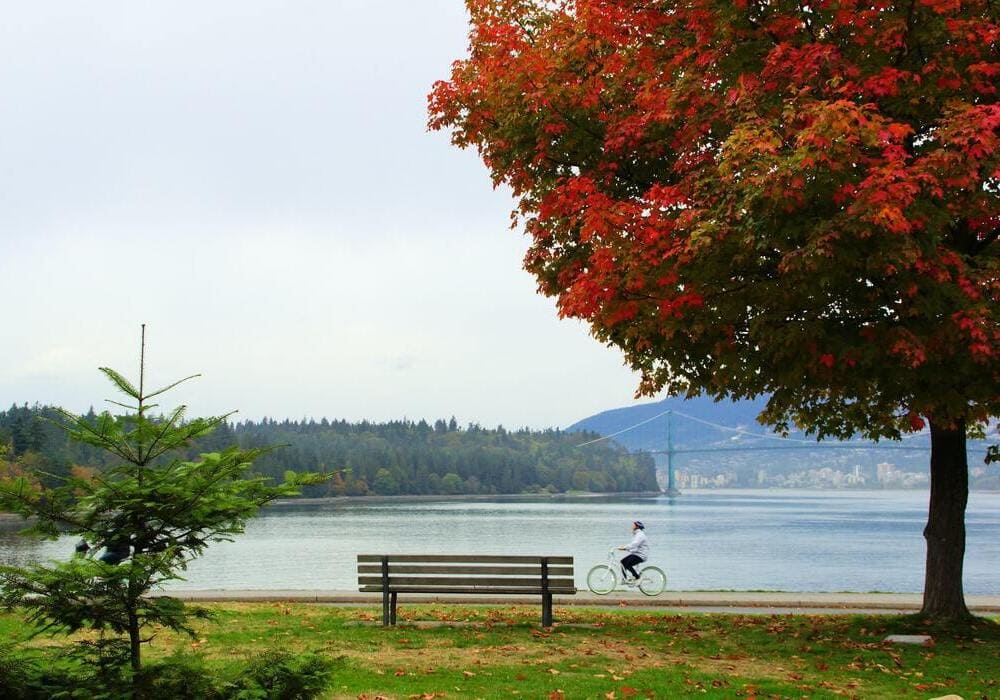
[[385, 607], [392, 609], [546, 609]]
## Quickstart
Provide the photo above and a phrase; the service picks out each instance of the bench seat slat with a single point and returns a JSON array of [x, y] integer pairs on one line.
[[463, 558], [426, 581], [469, 589], [463, 569]]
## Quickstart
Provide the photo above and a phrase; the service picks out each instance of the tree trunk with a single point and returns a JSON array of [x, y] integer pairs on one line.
[[135, 643], [945, 531]]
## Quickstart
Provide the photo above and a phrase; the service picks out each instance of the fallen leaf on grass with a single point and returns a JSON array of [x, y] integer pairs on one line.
[[557, 695], [468, 674], [399, 672], [554, 672]]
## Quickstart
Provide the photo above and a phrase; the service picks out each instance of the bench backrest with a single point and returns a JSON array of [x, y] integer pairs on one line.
[[461, 573]]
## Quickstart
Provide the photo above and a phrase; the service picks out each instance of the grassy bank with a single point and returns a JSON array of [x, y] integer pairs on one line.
[[487, 652]]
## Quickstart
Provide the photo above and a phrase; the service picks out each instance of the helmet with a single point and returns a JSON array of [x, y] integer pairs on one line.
[[638, 524]]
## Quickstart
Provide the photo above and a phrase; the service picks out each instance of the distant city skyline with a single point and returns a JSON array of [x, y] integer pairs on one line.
[[255, 182]]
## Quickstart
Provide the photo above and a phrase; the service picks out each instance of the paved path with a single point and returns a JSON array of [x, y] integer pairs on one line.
[[699, 601]]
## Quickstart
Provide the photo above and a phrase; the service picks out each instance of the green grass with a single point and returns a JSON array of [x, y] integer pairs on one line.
[[489, 652]]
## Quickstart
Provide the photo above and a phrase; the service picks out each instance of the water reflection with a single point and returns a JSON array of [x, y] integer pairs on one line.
[[20, 550]]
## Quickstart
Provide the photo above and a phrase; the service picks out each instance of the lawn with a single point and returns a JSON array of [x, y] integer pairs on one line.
[[489, 652]]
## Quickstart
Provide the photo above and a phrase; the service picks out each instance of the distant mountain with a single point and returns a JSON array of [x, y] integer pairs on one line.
[[733, 440]]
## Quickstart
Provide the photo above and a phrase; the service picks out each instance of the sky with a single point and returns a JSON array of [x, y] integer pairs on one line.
[[255, 182]]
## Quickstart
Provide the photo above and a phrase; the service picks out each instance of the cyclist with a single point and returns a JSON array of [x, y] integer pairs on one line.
[[638, 552]]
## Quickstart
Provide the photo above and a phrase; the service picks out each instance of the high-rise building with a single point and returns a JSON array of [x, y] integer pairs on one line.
[[885, 470]]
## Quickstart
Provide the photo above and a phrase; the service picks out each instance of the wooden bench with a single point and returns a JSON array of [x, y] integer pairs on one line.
[[390, 574]]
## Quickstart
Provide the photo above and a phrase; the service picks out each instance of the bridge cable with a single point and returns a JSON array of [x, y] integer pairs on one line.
[[624, 430], [739, 431]]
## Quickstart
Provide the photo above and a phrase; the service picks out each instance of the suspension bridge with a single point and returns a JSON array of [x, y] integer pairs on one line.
[[780, 443]]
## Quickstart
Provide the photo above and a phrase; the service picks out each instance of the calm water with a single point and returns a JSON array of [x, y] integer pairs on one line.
[[741, 540]]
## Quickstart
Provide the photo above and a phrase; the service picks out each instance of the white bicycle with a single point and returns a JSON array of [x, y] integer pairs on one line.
[[603, 578]]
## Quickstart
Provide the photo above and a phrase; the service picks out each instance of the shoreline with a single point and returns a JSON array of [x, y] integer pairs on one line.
[[410, 498], [554, 497], [572, 496]]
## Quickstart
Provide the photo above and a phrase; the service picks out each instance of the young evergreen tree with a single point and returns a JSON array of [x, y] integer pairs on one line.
[[152, 513]]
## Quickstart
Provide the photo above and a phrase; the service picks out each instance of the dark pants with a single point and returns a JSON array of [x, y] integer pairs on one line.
[[629, 563], [116, 553]]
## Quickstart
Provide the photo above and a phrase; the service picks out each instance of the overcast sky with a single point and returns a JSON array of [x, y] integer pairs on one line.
[[254, 180]]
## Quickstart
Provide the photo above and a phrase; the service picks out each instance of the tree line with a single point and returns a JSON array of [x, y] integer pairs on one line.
[[402, 457]]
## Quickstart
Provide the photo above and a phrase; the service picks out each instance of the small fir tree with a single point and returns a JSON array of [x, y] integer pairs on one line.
[[150, 514]]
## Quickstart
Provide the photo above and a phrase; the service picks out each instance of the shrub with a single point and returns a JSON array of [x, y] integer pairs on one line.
[[71, 674], [279, 675]]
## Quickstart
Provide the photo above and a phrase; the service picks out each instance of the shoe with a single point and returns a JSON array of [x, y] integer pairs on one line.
[[632, 582]]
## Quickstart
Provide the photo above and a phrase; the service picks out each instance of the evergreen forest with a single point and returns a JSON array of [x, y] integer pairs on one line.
[[395, 458]]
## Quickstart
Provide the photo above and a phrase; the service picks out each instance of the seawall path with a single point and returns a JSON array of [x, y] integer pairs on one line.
[[694, 601]]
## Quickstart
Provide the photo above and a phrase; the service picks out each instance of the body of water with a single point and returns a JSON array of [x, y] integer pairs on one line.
[[731, 540]]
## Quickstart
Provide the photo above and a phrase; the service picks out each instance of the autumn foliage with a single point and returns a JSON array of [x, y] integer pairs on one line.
[[757, 197], [764, 197]]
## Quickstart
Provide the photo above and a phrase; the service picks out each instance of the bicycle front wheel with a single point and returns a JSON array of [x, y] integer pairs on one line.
[[652, 580], [601, 579]]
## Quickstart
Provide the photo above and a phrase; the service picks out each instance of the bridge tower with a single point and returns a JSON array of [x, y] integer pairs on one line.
[[671, 485]]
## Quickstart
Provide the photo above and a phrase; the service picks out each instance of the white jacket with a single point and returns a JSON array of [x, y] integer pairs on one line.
[[639, 545]]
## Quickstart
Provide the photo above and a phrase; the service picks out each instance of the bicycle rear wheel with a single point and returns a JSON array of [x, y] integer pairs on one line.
[[601, 579], [652, 580]]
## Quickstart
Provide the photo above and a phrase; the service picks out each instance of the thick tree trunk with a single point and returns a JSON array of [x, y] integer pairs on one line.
[[945, 531]]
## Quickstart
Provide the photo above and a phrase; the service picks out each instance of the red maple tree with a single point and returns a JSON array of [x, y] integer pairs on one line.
[[790, 198]]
